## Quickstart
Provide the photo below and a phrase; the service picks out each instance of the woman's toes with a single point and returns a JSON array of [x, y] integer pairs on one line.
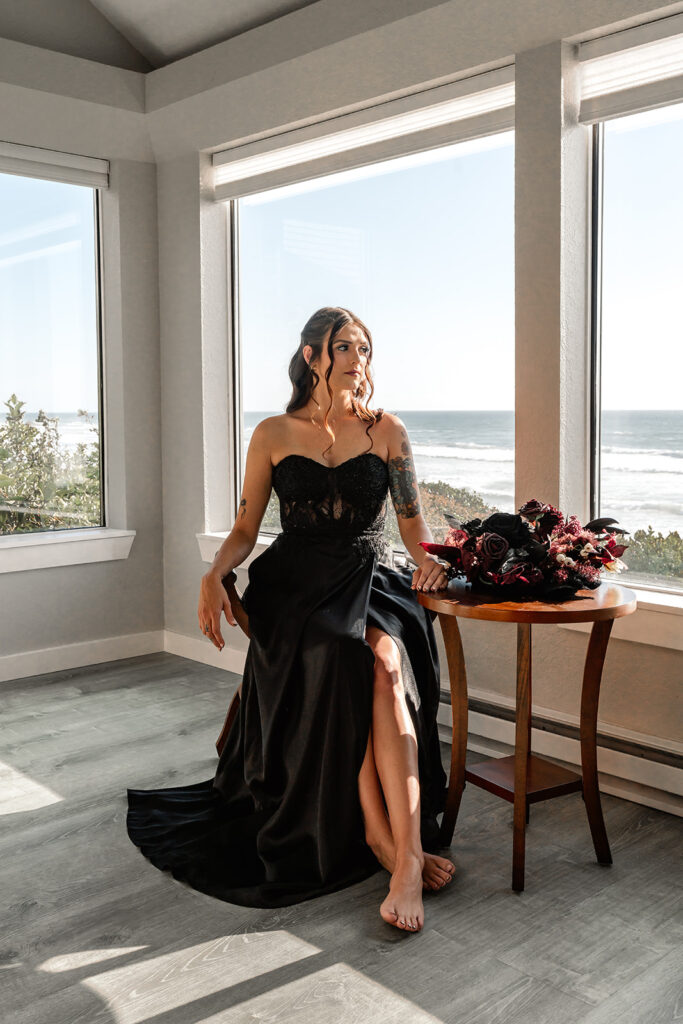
[[388, 913]]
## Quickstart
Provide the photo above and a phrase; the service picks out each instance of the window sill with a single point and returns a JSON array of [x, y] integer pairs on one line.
[[20, 552], [209, 544], [657, 620]]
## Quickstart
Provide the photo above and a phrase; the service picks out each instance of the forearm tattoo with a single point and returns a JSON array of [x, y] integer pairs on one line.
[[243, 506], [402, 483]]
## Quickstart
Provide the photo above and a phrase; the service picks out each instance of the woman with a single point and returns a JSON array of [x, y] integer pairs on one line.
[[332, 767]]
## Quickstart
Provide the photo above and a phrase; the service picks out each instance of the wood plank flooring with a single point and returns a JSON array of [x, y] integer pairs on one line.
[[91, 932]]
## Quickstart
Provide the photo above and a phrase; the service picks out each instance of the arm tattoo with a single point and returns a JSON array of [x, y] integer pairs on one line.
[[243, 506], [402, 484]]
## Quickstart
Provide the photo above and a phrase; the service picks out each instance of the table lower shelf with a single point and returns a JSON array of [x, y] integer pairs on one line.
[[544, 779]]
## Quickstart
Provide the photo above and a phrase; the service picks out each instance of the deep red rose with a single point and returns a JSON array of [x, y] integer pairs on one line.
[[551, 519], [493, 546], [532, 508]]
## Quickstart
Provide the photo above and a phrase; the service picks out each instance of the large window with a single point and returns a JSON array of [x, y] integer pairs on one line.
[[421, 248], [640, 473], [49, 357]]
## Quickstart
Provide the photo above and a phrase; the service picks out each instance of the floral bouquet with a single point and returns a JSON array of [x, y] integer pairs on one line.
[[534, 554]]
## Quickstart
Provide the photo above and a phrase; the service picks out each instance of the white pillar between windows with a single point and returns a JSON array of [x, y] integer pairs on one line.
[[552, 263]]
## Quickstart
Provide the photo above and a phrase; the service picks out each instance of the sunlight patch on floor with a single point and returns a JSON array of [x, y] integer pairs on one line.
[[338, 994], [18, 792], [85, 957], [154, 985]]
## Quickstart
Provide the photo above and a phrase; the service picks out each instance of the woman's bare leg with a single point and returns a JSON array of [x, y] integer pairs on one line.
[[395, 750], [437, 871]]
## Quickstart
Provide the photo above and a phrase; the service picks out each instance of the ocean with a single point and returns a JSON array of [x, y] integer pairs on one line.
[[641, 461], [642, 458]]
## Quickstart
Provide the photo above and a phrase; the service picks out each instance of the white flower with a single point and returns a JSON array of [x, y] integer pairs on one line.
[[564, 559], [586, 549], [616, 565]]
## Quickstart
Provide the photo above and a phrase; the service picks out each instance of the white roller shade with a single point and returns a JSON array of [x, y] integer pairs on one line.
[[33, 162], [478, 106], [632, 70]]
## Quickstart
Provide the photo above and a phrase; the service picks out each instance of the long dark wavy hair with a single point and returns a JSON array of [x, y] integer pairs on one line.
[[304, 378]]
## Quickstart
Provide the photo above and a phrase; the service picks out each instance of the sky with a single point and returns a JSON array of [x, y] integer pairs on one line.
[[421, 248]]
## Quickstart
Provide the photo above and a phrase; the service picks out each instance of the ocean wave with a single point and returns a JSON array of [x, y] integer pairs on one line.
[[644, 464], [670, 507], [673, 453], [464, 453]]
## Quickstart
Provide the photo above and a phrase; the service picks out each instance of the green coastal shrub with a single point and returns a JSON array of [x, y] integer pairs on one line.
[[42, 485]]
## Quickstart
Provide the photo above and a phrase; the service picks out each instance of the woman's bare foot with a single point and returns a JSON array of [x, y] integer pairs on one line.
[[436, 873], [403, 906]]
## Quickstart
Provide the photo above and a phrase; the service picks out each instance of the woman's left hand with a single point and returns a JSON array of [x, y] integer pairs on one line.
[[430, 575]]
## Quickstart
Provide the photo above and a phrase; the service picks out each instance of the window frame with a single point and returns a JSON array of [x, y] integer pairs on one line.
[[595, 327], [111, 540], [398, 555]]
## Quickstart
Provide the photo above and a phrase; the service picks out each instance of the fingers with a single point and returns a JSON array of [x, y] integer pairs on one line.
[[228, 613], [430, 576], [211, 629]]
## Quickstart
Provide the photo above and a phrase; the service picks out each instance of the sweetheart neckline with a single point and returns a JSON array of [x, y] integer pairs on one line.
[[295, 455]]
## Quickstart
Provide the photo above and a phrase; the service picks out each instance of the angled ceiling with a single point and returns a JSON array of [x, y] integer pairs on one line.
[[139, 35], [166, 30]]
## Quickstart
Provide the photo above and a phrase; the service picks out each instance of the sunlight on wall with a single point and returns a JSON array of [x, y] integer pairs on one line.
[[20, 793]]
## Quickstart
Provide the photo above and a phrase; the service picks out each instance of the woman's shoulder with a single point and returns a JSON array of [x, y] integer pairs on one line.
[[390, 426], [271, 426]]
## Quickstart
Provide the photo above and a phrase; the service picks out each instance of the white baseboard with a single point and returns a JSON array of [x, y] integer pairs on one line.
[[115, 648], [198, 649], [89, 652]]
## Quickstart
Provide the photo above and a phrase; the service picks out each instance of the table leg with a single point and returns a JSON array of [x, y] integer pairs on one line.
[[522, 750], [458, 677], [590, 695]]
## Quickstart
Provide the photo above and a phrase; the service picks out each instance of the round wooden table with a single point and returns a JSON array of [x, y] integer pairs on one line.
[[524, 778]]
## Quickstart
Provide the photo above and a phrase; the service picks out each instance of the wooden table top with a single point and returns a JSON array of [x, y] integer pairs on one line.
[[608, 601]]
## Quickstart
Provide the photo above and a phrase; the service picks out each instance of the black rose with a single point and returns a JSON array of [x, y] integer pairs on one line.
[[513, 528], [473, 527]]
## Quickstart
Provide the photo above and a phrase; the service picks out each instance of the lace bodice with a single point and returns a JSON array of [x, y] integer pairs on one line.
[[347, 501]]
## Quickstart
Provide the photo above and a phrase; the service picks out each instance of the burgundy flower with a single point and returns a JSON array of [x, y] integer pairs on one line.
[[549, 521], [573, 526], [522, 572], [532, 508], [468, 556], [492, 546]]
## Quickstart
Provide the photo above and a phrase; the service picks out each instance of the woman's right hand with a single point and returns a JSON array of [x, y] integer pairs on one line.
[[213, 599]]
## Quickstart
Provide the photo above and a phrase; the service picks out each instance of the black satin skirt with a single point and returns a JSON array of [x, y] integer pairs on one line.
[[281, 822]]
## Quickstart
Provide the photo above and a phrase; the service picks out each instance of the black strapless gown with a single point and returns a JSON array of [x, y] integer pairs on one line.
[[281, 820]]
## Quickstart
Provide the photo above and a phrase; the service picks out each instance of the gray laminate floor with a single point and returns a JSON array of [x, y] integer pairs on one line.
[[92, 932]]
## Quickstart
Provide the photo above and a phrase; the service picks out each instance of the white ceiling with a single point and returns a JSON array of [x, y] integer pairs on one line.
[[165, 30], [137, 34]]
